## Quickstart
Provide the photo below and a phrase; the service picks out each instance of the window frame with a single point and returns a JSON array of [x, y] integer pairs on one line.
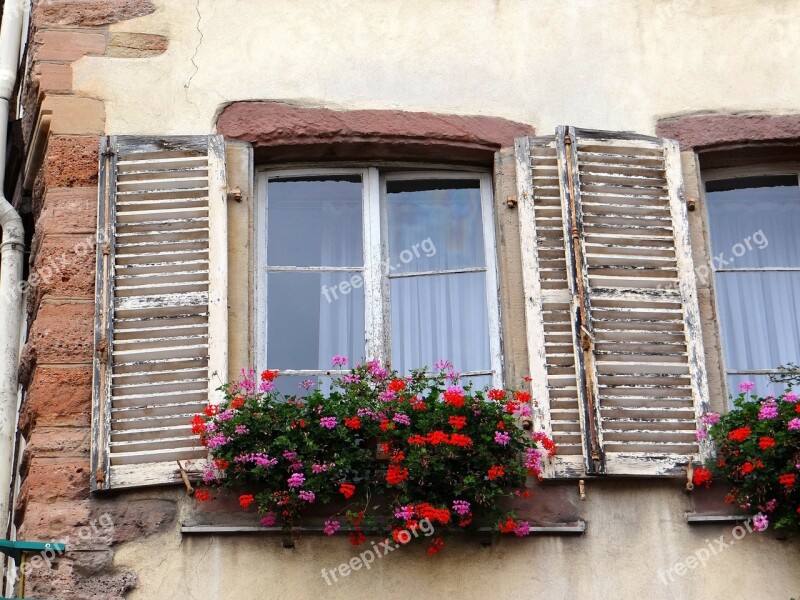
[[377, 300], [728, 173]]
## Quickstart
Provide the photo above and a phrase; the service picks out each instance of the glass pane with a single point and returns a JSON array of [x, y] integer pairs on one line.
[[753, 222], [440, 317], [311, 317], [434, 224], [764, 387], [290, 385], [479, 382], [760, 318], [315, 221]]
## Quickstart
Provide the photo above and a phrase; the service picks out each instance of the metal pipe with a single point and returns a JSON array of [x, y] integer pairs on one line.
[[11, 262]]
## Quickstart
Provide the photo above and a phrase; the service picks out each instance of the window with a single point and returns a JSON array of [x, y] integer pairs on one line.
[[367, 263], [753, 223]]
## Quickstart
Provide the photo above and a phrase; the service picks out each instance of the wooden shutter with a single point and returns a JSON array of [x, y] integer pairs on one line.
[[161, 304], [620, 295]]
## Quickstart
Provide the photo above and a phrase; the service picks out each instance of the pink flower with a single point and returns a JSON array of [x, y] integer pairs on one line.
[[386, 396], [307, 496], [700, 434], [790, 397], [771, 505], [242, 429], [461, 507], [401, 419], [442, 365], [331, 527], [339, 360], [268, 520], [522, 529], [306, 384], [351, 378], [296, 480], [216, 441], [710, 418], [747, 386], [501, 437], [266, 386], [404, 512], [225, 415], [794, 424], [533, 460], [760, 522], [769, 410], [328, 422]]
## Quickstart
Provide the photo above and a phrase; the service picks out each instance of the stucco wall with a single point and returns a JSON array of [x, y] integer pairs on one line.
[[608, 65], [635, 537], [611, 65]]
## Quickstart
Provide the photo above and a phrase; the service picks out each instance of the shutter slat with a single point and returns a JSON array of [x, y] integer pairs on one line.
[[163, 314]]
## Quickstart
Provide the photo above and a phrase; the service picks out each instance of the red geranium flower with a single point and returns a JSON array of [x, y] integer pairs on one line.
[[417, 404], [347, 489], [462, 441], [522, 396], [765, 442], [357, 537], [221, 463], [211, 410], [202, 495], [701, 476], [747, 468], [457, 422], [437, 437], [352, 422], [397, 385], [787, 480], [436, 546], [740, 435], [496, 471], [497, 394], [237, 403], [508, 526], [246, 500], [396, 475], [416, 440], [455, 399], [268, 375], [198, 424]]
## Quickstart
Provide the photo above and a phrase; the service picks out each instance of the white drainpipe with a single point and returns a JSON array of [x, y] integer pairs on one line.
[[11, 260]]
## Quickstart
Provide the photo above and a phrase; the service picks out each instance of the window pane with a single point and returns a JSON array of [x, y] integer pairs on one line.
[[290, 385], [760, 318], [440, 317], [310, 319], [764, 387], [315, 221], [434, 224], [754, 226]]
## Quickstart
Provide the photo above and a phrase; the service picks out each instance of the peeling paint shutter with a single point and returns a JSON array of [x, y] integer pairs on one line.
[[623, 298], [161, 304]]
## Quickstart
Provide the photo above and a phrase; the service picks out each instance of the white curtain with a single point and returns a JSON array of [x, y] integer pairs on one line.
[[759, 310], [440, 317]]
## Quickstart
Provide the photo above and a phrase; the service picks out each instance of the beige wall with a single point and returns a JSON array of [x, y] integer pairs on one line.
[[611, 65], [636, 533]]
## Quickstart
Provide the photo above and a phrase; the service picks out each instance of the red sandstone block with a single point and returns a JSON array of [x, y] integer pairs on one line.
[[67, 45]]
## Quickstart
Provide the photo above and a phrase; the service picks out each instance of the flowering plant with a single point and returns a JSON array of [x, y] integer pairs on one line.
[[425, 446], [758, 452]]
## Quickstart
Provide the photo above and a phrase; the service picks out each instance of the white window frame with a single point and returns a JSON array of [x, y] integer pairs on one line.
[[377, 307], [764, 170]]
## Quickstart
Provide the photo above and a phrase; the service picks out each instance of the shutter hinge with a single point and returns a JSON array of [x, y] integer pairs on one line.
[[586, 340], [106, 248], [102, 350], [235, 193], [100, 476], [691, 204], [511, 202]]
